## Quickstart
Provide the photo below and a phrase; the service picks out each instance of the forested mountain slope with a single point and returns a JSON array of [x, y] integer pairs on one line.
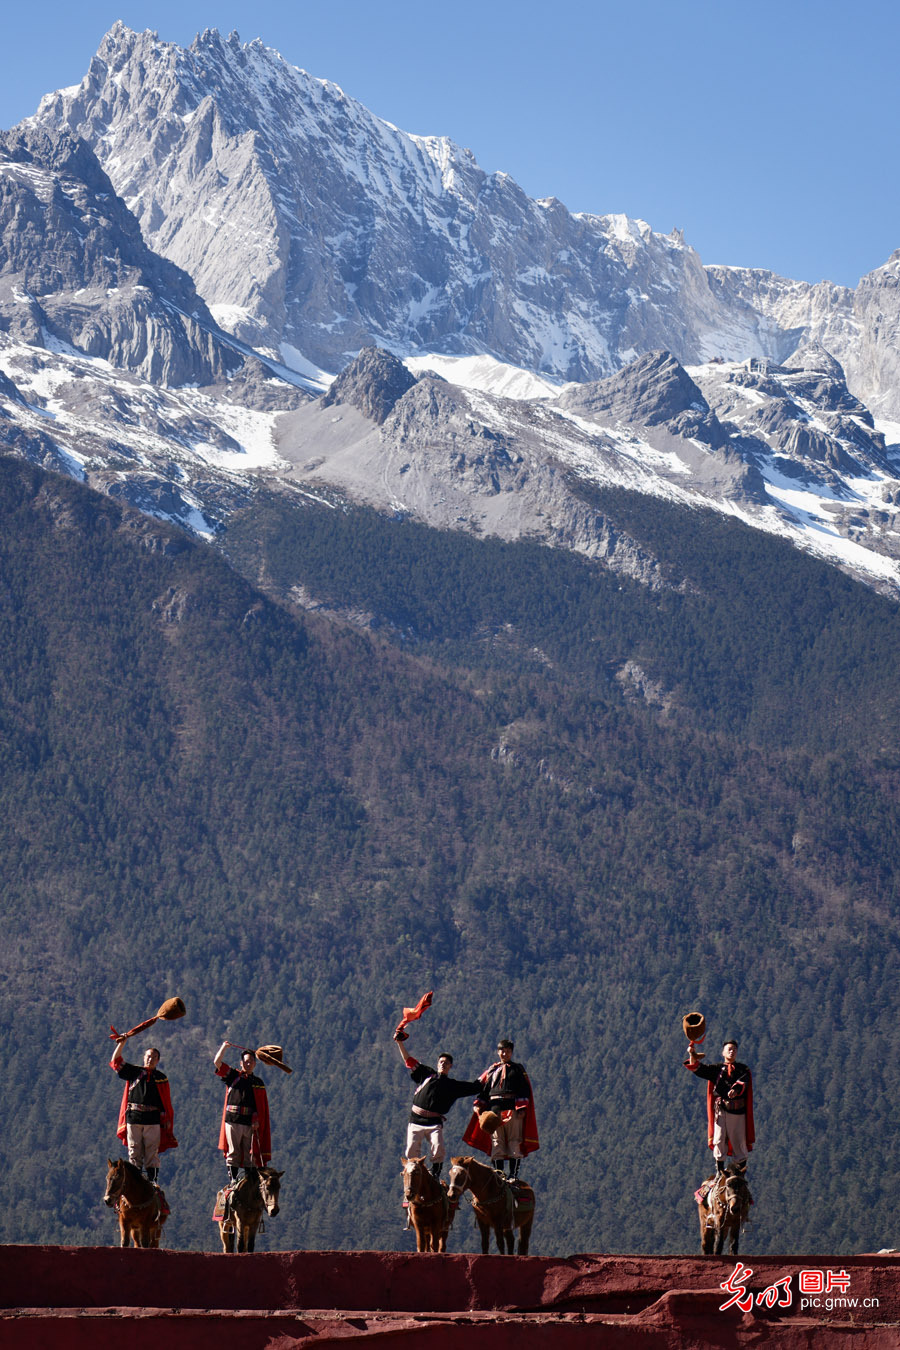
[[574, 807]]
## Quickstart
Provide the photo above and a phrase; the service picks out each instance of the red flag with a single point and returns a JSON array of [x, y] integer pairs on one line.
[[413, 1014]]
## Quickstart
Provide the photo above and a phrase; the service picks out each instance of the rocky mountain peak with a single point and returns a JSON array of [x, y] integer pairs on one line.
[[62, 154], [653, 389], [81, 273], [372, 383], [812, 356]]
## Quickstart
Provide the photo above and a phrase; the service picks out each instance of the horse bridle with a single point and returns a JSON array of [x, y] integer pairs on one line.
[[119, 1193], [112, 1195], [418, 1199], [267, 1193], [458, 1167], [498, 1194], [729, 1201]]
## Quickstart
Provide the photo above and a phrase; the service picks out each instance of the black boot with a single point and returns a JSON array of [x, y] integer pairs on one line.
[[153, 1175], [233, 1173], [514, 1165], [498, 1165], [436, 1169], [720, 1167]]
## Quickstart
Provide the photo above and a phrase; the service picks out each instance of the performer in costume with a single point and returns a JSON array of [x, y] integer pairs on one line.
[[729, 1104], [505, 1089], [436, 1093], [146, 1118], [244, 1134]]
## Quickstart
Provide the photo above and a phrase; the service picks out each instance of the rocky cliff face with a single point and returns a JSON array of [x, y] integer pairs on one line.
[[74, 269], [860, 328], [873, 361], [105, 346]]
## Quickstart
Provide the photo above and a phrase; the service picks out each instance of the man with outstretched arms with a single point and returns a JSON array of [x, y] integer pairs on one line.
[[505, 1089], [729, 1104], [244, 1135], [436, 1092], [146, 1118]]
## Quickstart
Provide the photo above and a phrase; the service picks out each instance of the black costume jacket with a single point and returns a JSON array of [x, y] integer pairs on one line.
[[436, 1094]]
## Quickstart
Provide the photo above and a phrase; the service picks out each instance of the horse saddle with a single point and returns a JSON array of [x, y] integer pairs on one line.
[[704, 1194], [523, 1195], [222, 1209]]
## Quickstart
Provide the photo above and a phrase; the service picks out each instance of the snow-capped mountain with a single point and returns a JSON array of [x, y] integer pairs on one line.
[[242, 201], [311, 226], [114, 369]]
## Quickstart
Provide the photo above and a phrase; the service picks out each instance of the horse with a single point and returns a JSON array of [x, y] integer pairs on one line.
[[430, 1211], [723, 1206], [255, 1194], [499, 1205], [141, 1206]]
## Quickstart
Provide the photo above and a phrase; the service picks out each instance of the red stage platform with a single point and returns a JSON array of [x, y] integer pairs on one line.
[[91, 1298]]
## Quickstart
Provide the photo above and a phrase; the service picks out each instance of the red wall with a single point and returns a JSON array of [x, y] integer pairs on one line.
[[76, 1297]]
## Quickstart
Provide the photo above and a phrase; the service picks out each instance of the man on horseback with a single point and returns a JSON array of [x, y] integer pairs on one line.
[[506, 1091], [245, 1134], [436, 1093], [145, 1114], [729, 1105]]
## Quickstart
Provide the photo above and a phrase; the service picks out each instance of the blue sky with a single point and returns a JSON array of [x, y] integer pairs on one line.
[[767, 131]]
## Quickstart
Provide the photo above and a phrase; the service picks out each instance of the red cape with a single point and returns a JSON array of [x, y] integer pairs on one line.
[[166, 1137], [262, 1110], [711, 1114], [478, 1138]]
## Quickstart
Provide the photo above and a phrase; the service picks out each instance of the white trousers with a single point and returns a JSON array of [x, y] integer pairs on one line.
[[239, 1139], [507, 1142], [143, 1145], [730, 1127], [429, 1136]]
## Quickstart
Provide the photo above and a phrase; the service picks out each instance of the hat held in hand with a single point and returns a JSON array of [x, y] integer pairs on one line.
[[273, 1054]]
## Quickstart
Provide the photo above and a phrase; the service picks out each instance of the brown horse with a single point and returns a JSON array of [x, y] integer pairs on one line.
[[254, 1195], [500, 1205], [723, 1205], [140, 1205], [430, 1211]]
